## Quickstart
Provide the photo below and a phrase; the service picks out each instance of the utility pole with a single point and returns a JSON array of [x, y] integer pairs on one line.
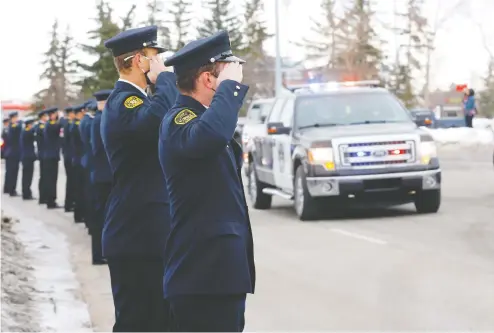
[[277, 75]]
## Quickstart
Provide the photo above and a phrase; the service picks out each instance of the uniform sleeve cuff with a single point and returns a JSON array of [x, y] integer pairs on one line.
[[165, 78], [233, 88]]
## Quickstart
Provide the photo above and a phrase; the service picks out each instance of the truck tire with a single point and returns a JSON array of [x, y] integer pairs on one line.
[[427, 202], [306, 207], [258, 199]]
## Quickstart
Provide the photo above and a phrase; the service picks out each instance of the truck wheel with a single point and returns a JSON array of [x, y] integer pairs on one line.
[[428, 201], [258, 199], [306, 207]]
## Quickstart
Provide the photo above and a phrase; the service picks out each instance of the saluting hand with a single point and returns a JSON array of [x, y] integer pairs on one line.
[[231, 71], [156, 66]]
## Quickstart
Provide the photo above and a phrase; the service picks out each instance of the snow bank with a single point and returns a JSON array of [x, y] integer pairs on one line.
[[463, 136], [56, 288]]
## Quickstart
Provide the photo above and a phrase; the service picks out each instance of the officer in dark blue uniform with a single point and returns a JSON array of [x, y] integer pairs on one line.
[[210, 266], [40, 144], [52, 147], [102, 178], [13, 154], [4, 135], [78, 151], [87, 163], [137, 211], [68, 155], [28, 156]]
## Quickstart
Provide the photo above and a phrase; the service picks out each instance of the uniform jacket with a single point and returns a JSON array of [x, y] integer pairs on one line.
[[67, 149], [77, 145], [85, 131], [52, 139], [129, 131], [210, 247], [102, 172], [27, 144], [13, 139], [39, 130], [5, 134]]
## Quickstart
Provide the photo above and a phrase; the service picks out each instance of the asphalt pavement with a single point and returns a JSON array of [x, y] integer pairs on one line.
[[368, 269]]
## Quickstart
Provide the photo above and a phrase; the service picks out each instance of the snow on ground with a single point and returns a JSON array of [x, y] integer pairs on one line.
[[40, 286], [18, 312], [481, 134]]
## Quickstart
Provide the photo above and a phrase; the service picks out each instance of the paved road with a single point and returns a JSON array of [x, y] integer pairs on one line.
[[370, 269]]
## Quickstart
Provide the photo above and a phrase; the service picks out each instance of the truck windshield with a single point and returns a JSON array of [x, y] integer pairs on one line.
[[349, 109]]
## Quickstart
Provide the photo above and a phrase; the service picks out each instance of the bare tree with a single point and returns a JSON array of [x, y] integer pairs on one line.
[[436, 25]]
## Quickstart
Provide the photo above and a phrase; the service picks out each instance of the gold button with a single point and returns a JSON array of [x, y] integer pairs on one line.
[[235, 93]]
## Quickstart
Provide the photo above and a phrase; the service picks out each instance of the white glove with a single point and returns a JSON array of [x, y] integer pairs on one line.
[[231, 71]]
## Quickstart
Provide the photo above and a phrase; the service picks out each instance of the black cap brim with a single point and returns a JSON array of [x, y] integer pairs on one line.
[[158, 48], [232, 58]]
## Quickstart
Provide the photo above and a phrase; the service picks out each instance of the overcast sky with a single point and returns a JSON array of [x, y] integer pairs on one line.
[[25, 24]]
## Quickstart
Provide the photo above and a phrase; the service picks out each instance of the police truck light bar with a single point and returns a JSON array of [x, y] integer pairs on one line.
[[332, 85]]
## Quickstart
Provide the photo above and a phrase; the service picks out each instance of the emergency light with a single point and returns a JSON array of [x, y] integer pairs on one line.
[[332, 85]]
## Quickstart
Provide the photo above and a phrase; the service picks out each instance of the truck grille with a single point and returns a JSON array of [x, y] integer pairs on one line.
[[377, 154]]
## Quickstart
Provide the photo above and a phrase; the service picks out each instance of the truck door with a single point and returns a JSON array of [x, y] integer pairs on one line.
[[282, 150], [268, 141]]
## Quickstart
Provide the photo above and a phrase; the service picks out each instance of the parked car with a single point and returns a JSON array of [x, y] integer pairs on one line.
[[424, 117]]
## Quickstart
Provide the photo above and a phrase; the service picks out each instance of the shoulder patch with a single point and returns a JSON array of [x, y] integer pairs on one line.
[[132, 102], [184, 116]]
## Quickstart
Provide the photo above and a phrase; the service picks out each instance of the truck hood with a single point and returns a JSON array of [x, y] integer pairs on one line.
[[358, 130]]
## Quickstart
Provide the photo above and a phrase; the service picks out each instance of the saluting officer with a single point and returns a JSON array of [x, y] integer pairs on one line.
[[87, 163], [78, 150], [52, 156], [4, 135], [40, 143], [136, 222], [210, 264], [28, 156], [102, 178], [68, 155], [13, 154]]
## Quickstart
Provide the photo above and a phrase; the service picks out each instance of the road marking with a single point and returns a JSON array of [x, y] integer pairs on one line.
[[358, 236]]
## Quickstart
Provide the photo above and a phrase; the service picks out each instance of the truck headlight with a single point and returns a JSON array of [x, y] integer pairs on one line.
[[322, 156], [427, 149]]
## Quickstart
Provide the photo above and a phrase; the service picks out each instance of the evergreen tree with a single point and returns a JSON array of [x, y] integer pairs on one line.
[[53, 94], [155, 11], [257, 72], [416, 37], [327, 31], [102, 73], [180, 22], [67, 67], [222, 17], [360, 54]]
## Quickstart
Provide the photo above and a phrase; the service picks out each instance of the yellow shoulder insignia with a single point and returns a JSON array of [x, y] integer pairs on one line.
[[77, 122], [41, 126], [52, 122], [132, 102], [14, 125], [184, 116]]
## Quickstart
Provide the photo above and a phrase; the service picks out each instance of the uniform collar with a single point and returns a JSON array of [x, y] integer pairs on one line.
[[134, 85], [190, 102]]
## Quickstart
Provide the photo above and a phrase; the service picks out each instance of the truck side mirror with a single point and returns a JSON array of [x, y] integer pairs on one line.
[[278, 128]]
